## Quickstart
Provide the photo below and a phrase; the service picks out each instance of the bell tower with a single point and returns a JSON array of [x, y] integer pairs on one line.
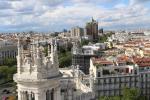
[[37, 76]]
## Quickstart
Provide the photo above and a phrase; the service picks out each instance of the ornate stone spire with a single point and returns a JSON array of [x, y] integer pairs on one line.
[[19, 56], [52, 51], [76, 48], [54, 55], [37, 79], [48, 50], [34, 52], [38, 51], [38, 59]]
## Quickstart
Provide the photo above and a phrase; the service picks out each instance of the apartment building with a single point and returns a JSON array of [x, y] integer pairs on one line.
[[81, 55], [7, 50], [111, 76]]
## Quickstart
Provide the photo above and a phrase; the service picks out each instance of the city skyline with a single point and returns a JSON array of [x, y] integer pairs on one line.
[[56, 15]]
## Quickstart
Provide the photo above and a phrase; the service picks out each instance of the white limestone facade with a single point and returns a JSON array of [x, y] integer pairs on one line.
[[111, 78], [75, 85], [37, 76]]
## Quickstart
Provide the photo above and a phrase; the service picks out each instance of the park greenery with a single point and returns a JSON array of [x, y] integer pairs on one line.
[[84, 42], [64, 59], [9, 67], [6, 73], [7, 70], [64, 56], [128, 94], [103, 38], [10, 62]]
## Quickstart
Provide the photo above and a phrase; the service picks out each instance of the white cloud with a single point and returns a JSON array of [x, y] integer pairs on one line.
[[135, 2], [59, 14]]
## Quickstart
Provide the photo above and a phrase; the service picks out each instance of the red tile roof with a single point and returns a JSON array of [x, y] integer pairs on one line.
[[101, 61], [142, 62]]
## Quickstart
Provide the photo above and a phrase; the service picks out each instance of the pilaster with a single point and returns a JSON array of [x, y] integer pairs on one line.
[[19, 95], [40, 96], [57, 95]]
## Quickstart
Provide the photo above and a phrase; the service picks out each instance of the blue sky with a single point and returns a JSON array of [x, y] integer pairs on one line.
[[55, 15]]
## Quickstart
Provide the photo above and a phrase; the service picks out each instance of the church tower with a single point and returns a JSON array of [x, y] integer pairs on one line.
[[37, 76]]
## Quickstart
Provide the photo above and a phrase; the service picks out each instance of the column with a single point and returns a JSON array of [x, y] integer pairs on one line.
[[49, 94], [40, 95], [69, 94], [57, 95], [30, 96], [22, 96], [19, 95], [25, 96]]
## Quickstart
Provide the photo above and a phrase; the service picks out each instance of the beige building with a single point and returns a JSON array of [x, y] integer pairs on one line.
[[38, 76], [77, 32], [110, 77], [7, 50]]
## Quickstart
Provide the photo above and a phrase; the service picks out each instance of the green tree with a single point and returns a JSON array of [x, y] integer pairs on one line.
[[64, 55], [84, 42], [116, 98], [6, 73], [105, 98], [61, 50], [10, 61], [110, 98], [65, 59], [11, 72], [130, 94], [46, 51], [104, 37], [69, 46], [3, 73]]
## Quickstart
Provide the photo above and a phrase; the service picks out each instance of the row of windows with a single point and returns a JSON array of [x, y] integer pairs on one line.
[[145, 75], [116, 86], [109, 93], [146, 91], [144, 68], [147, 80], [118, 92], [8, 54], [145, 85], [117, 80]]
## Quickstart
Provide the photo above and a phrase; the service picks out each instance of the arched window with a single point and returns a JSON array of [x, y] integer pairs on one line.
[[52, 94], [27, 95], [47, 95], [32, 96]]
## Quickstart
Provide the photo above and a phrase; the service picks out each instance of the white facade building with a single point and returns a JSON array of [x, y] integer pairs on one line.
[[110, 78], [92, 49], [7, 50], [38, 76]]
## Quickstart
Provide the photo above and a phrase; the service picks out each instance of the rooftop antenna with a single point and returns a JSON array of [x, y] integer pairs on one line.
[[92, 19]]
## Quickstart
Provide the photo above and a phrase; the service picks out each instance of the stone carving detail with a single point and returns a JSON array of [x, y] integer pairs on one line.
[[36, 72]]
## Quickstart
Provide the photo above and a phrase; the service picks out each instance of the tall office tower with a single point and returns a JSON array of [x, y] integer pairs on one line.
[[92, 30]]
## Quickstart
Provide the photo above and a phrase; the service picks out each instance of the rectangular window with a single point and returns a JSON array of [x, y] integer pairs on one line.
[[99, 74]]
